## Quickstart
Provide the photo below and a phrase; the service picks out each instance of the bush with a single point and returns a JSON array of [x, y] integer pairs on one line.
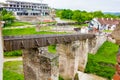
[[13, 53]]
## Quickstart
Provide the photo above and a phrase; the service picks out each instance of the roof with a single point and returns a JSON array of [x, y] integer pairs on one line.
[[110, 21], [28, 1]]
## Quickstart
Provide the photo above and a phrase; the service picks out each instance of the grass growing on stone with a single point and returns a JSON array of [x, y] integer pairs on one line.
[[13, 71], [26, 31], [103, 62], [52, 49]]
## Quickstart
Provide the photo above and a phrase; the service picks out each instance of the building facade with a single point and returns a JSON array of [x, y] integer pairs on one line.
[[104, 23], [26, 8]]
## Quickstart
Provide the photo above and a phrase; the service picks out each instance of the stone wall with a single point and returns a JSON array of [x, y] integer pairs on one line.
[[96, 43], [39, 64], [72, 57], [34, 19]]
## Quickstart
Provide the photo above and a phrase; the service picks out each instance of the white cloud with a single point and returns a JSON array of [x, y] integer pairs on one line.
[[88, 5]]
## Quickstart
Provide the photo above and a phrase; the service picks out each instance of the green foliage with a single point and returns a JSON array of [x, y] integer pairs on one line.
[[13, 53], [98, 14], [60, 78], [81, 16], [103, 62], [26, 31], [110, 16], [52, 49], [13, 71], [7, 16], [66, 14]]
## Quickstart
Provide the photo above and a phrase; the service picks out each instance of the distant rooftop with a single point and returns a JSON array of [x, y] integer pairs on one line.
[[108, 21]]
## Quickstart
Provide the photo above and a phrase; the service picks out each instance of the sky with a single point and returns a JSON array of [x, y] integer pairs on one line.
[[87, 5]]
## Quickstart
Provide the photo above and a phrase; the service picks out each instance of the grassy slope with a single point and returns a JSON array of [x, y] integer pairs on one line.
[[102, 63]]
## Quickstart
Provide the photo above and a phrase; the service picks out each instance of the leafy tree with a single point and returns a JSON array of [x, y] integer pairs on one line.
[[82, 16], [66, 14], [7, 16], [98, 14], [110, 16]]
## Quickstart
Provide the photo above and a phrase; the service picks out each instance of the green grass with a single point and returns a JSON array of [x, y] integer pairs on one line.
[[13, 71], [13, 53], [103, 62], [26, 31], [52, 49], [107, 31], [17, 24]]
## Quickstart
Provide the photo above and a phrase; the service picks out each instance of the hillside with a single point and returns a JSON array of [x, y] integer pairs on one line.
[[113, 13], [103, 62]]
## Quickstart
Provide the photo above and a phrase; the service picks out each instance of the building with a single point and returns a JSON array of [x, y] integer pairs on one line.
[[104, 23], [26, 8]]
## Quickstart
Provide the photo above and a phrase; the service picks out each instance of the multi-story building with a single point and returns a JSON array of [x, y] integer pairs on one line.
[[26, 8]]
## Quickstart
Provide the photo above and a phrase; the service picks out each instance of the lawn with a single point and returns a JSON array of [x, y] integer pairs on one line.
[[103, 62], [17, 24], [26, 31], [13, 71]]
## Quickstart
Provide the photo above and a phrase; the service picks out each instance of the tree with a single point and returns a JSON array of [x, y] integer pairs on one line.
[[7, 16], [98, 14], [66, 14]]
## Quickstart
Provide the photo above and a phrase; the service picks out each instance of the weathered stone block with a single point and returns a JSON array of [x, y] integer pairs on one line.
[[68, 62], [40, 65]]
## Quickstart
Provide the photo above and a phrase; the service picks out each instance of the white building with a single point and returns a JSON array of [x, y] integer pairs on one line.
[[104, 23], [26, 8]]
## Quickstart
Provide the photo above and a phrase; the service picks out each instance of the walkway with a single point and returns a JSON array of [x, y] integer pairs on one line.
[[13, 59]]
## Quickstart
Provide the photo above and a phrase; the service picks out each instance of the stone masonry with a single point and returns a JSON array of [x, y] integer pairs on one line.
[[40, 65], [72, 57]]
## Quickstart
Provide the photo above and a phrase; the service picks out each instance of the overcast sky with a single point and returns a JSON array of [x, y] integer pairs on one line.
[[88, 5]]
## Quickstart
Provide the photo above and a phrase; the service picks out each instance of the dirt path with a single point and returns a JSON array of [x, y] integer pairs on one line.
[[13, 59]]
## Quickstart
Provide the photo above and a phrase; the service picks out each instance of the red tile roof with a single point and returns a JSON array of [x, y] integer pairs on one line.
[[110, 21]]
